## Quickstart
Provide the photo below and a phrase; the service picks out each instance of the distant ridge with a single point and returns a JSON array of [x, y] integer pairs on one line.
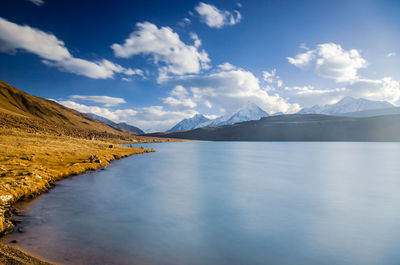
[[34, 114], [300, 127], [121, 125]]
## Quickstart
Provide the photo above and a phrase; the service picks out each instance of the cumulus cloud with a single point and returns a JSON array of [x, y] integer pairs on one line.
[[228, 90], [386, 89], [332, 61], [37, 2], [53, 52], [149, 119], [166, 48], [226, 66], [105, 100], [302, 60], [216, 18], [179, 98]]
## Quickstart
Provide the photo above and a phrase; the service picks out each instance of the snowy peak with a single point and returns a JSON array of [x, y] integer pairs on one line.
[[248, 112], [189, 124], [346, 105]]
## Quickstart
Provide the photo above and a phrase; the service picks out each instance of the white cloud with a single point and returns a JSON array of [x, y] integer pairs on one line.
[[391, 54], [14, 37], [332, 61], [177, 102], [97, 70], [179, 92], [304, 46], [118, 115], [132, 72], [37, 2], [164, 45], [105, 100], [195, 38], [307, 96], [179, 98], [272, 78], [226, 66], [302, 60], [385, 89], [216, 18], [149, 119], [227, 90]]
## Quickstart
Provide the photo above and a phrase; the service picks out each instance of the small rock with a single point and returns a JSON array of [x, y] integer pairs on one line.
[[94, 158], [14, 241], [20, 230]]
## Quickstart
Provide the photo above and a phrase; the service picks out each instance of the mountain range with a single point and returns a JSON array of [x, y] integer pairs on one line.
[[347, 105], [299, 127], [248, 112], [121, 125]]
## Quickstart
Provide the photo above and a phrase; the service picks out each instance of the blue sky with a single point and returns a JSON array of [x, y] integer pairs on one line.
[[153, 63]]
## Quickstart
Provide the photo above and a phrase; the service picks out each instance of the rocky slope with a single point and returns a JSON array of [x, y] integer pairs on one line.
[[38, 115]]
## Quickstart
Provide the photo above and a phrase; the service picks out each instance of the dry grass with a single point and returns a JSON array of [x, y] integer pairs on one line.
[[29, 163]]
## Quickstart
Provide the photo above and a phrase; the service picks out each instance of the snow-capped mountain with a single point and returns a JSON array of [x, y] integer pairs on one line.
[[189, 124], [248, 112], [346, 105]]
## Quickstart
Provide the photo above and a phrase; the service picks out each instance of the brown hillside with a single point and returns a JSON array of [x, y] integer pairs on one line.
[[34, 114]]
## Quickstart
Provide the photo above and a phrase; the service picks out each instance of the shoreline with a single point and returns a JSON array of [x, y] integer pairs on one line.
[[32, 163], [11, 254]]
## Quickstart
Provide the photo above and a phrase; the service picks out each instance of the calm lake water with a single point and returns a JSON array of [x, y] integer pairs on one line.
[[226, 203]]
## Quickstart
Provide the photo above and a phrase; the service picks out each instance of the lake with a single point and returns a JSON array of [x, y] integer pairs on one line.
[[225, 203]]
